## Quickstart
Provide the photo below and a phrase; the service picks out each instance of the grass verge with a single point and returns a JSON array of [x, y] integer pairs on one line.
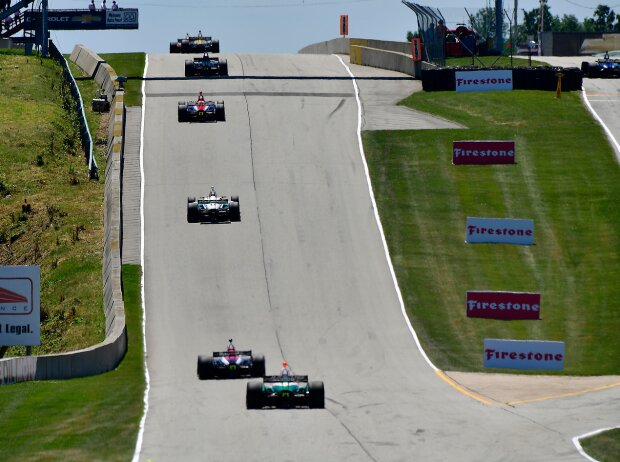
[[51, 213], [567, 180], [91, 418], [130, 65], [604, 447]]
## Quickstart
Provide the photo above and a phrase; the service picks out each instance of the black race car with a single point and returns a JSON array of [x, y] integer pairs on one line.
[[197, 44], [231, 363], [605, 67], [201, 110], [285, 391], [213, 209], [206, 66]]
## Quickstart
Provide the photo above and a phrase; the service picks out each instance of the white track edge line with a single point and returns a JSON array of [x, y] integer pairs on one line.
[[378, 219], [614, 142], [136, 455], [577, 443], [610, 136]]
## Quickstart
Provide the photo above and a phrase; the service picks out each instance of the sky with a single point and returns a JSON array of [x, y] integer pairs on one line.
[[278, 26]]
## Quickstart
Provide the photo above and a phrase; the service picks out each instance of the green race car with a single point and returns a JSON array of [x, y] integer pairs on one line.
[[285, 391]]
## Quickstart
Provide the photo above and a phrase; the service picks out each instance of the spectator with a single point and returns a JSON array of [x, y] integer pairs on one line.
[[114, 6], [7, 22], [103, 6], [91, 5]]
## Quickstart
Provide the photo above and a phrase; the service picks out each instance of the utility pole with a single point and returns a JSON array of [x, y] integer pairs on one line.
[[541, 26]]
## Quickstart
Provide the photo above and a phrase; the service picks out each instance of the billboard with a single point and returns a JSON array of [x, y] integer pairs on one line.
[[499, 231], [506, 306], [483, 152], [125, 18], [487, 80], [20, 318], [523, 354]]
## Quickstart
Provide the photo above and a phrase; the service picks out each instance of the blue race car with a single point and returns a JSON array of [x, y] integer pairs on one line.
[[605, 67], [205, 66], [201, 110]]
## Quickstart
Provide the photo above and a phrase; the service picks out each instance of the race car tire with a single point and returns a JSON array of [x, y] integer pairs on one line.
[[173, 47], [192, 213], [316, 398], [182, 112], [215, 46], [190, 199], [184, 46], [258, 366], [234, 198], [205, 367], [235, 213], [189, 68], [223, 67], [220, 111], [254, 394], [585, 68]]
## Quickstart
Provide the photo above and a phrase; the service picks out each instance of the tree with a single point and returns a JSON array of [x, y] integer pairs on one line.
[[569, 23], [604, 18]]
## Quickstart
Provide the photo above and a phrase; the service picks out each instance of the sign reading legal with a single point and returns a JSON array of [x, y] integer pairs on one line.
[[499, 231], [20, 288], [503, 305], [483, 152]]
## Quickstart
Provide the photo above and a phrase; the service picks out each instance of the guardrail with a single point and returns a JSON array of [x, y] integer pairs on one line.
[[87, 140], [106, 355]]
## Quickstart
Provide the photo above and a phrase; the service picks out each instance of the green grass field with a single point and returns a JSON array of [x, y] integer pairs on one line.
[[130, 65], [567, 180], [86, 419], [604, 447], [41, 162]]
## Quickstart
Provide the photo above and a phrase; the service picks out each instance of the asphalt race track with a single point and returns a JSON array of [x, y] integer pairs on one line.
[[303, 278]]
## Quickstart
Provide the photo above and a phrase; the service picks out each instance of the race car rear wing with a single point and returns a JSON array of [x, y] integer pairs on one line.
[[217, 354], [285, 378]]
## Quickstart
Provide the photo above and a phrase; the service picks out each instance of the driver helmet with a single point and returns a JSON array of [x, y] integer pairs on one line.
[[231, 347], [201, 97], [285, 368]]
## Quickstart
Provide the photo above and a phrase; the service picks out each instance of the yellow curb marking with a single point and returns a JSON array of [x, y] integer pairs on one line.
[[457, 387], [564, 395]]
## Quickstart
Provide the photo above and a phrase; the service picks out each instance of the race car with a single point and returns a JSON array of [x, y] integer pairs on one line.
[[285, 390], [213, 208], [201, 110], [197, 44], [206, 66], [605, 67], [231, 363]]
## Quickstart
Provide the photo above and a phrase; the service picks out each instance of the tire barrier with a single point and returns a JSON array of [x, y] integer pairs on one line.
[[523, 78]]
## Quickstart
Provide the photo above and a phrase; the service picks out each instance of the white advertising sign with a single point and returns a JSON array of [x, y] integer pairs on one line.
[[499, 231], [523, 354], [489, 80], [20, 319]]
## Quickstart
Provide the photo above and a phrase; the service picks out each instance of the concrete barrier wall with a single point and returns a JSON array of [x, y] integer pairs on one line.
[[384, 54], [106, 77], [400, 47], [338, 46], [106, 355], [86, 60], [383, 59]]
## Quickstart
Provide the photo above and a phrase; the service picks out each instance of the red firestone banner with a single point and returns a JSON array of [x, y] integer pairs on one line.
[[503, 305], [483, 152]]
